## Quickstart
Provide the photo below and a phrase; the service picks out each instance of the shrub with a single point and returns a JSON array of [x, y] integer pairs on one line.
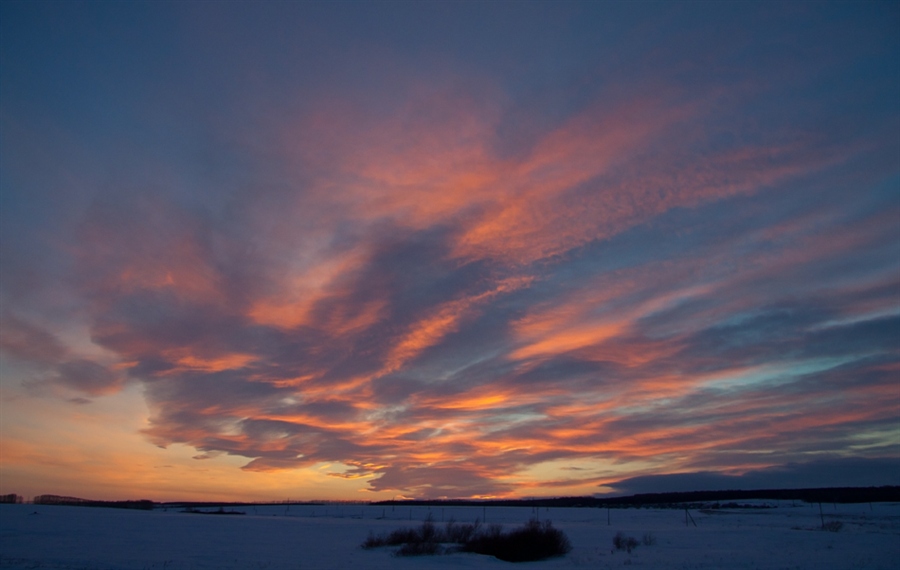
[[833, 526], [493, 532], [622, 542], [419, 549], [649, 539], [534, 541], [428, 532], [373, 541], [424, 540], [402, 536], [461, 533]]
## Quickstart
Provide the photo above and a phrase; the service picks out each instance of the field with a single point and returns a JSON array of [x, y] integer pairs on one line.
[[771, 535]]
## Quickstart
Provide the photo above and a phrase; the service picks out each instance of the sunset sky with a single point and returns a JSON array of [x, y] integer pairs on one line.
[[364, 250]]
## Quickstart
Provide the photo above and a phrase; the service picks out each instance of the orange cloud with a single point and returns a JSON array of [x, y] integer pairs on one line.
[[184, 360], [299, 291], [445, 319]]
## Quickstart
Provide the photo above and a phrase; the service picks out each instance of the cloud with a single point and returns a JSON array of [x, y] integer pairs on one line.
[[828, 472], [386, 336], [88, 377], [28, 342], [54, 363], [393, 278]]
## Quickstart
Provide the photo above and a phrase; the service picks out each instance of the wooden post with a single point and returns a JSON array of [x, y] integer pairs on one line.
[[822, 515], [607, 517]]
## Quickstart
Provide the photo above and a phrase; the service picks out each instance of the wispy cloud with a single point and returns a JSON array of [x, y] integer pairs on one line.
[[451, 281]]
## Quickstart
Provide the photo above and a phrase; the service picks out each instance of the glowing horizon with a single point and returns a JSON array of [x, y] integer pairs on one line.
[[446, 250]]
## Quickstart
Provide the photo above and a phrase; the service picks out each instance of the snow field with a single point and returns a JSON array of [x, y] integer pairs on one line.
[[324, 537]]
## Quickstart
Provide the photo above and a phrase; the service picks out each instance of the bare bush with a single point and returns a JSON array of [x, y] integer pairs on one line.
[[419, 549], [373, 541], [622, 542], [461, 533], [402, 536], [396, 537], [534, 541]]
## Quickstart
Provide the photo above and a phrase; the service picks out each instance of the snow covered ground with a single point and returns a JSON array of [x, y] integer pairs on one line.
[[328, 537]]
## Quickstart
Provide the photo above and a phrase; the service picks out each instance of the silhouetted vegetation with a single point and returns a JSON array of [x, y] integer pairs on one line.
[[10, 499], [76, 502], [220, 511], [420, 549], [461, 533], [622, 542], [889, 494], [693, 499], [534, 541], [427, 534]]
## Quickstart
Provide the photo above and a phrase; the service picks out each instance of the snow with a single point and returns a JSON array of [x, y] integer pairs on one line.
[[314, 537]]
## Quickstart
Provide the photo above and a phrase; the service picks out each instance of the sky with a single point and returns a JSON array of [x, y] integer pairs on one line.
[[367, 250]]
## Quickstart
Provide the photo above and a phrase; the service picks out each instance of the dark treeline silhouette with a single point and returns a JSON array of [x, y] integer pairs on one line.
[[822, 495], [143, 504], [10, 499], [221, 511], [286, 502]]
